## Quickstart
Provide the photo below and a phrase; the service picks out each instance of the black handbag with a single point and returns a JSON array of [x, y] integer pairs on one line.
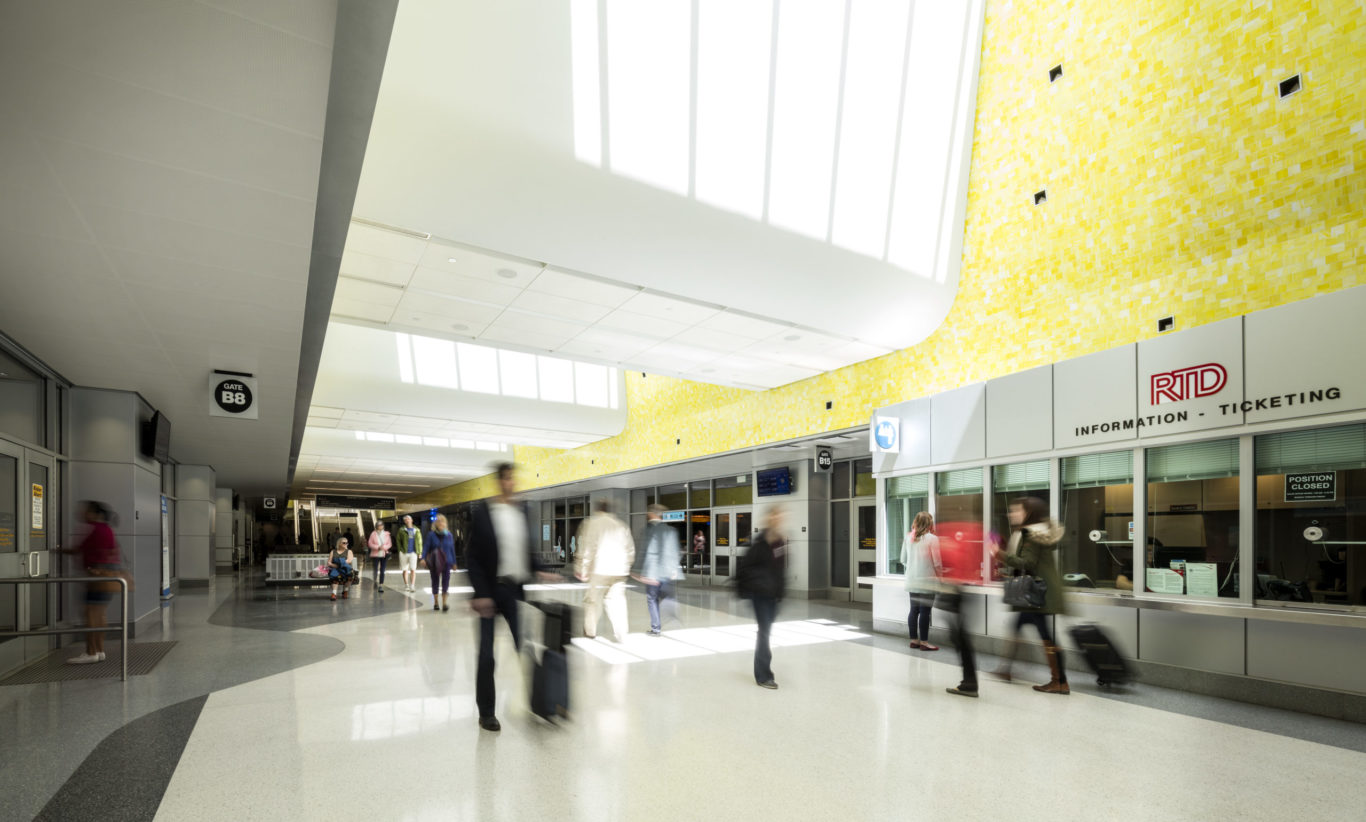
[[1025, 591]]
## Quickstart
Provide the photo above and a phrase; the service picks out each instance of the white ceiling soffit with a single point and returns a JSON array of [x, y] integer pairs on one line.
[[384, 417], [837, 209], [159, 164], [443, 289]]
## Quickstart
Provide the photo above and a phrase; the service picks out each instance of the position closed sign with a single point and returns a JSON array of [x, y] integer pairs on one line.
[[1320, 486]]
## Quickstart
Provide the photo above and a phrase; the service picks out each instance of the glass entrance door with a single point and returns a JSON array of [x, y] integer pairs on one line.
[[731, 533], [864, 550], [27, 523]]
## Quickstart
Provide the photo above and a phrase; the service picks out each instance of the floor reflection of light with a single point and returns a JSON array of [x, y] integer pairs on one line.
[[405, 717], [722, 639]]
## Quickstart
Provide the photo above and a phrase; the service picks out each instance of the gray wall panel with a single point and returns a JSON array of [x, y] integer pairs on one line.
[[103, 425], [914, 447], [1020, 413], [193, 557], [1094, 389], [146, 502], [1301, 347], [1323, 656], [1200, 641], [958, 419], [194, 482]]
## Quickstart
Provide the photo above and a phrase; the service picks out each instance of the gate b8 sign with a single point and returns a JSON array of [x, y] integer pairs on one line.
[[232, 395]]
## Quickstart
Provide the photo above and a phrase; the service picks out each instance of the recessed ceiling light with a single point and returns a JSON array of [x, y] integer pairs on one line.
[[450, 259], [414, 319], [507, 273], [792, 337], [460, 327], [708, 370]]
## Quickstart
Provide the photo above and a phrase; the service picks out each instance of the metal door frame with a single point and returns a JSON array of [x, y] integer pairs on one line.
[[24, 563], [733, 549]]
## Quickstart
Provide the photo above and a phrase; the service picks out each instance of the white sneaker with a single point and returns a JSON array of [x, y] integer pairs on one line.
[[101, 656], [85, 659]]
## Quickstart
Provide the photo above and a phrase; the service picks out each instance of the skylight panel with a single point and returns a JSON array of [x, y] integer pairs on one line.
[[590, 384], [649, 87], [407, 439], [937, 33], [556, 378], [733, 48], [405, 357], [518, 371], [478, 368], [872, 92], [806, 98], [587, 81], [438, 442], [377, 436], [435, 360]]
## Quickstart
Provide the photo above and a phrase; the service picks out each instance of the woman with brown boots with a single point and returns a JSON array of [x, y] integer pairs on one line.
[[1032, 550]]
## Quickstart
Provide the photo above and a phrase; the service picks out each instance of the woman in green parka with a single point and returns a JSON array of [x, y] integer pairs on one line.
[[1033, 550]]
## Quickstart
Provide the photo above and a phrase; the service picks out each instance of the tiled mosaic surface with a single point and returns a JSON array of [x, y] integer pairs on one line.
[[1178, 183]]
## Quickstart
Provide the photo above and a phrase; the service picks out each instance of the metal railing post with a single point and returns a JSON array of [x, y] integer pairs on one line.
[[123, 623], [123, 609]]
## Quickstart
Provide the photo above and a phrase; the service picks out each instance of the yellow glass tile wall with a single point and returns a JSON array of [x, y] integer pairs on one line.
[[1178, 183]]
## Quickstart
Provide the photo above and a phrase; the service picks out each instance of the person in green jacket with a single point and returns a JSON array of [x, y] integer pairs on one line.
[[409, 541], [1032, 550]]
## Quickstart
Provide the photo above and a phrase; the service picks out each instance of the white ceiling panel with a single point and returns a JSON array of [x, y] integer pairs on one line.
[[377, 269], [668, 308], [513, 320], [386, 296], [391, 245], [587, 289], [477, 265], [361, 310], [605, 344], [526, 340], [448, 309], [446, 284], [551, 305], [641, 325], [742, 325]]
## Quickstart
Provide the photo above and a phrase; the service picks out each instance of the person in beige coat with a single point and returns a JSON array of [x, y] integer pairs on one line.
[[606, 552]]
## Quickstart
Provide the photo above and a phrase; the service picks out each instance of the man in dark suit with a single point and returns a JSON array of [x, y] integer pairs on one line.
[[500, 559]]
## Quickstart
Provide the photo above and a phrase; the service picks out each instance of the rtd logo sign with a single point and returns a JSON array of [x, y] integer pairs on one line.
[[1189, 383]]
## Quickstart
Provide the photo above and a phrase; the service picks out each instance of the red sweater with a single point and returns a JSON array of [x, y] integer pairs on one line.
[[99, 546]]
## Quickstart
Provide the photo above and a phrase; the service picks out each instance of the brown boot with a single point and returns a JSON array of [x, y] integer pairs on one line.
[[1058, 683]]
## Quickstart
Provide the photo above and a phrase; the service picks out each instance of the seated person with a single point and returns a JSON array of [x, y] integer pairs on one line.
[[342, 568]]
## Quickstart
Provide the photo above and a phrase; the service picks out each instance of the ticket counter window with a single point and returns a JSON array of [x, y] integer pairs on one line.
[[1009, 483], [1097, 513], [1192, 520], [1311, 532], [906, 497], [958, 507]]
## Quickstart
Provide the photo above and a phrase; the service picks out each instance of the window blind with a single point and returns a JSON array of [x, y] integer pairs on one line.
[[1020, 476], [1325, 449], [1095, 470], [917, 485], [1193, 461], [965, 481]]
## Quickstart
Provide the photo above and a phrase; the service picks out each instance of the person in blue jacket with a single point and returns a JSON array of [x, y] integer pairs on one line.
[[439, 555]]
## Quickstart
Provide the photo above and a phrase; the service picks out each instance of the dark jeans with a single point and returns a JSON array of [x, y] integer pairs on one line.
[[653, 595], [765, 611], [1040, 623], [441, 580], [958, 632], [380, 563], [919, 619], [505, 601]]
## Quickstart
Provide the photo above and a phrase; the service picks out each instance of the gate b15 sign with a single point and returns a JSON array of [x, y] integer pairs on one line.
[[1321, 486]]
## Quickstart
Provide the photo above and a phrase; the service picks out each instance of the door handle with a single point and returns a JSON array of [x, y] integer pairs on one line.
[[34, 563]]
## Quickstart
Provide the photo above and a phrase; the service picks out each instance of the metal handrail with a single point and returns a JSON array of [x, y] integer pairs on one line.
[[122, 627]]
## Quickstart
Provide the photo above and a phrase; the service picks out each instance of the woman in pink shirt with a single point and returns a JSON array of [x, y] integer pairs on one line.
[[100, 556], [380, 545]]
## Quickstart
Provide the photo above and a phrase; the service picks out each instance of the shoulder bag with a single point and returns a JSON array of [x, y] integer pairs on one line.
[[1025, 591]]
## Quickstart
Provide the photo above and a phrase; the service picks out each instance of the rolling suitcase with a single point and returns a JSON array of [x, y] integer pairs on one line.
[[550, 673], [1101, 655]]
